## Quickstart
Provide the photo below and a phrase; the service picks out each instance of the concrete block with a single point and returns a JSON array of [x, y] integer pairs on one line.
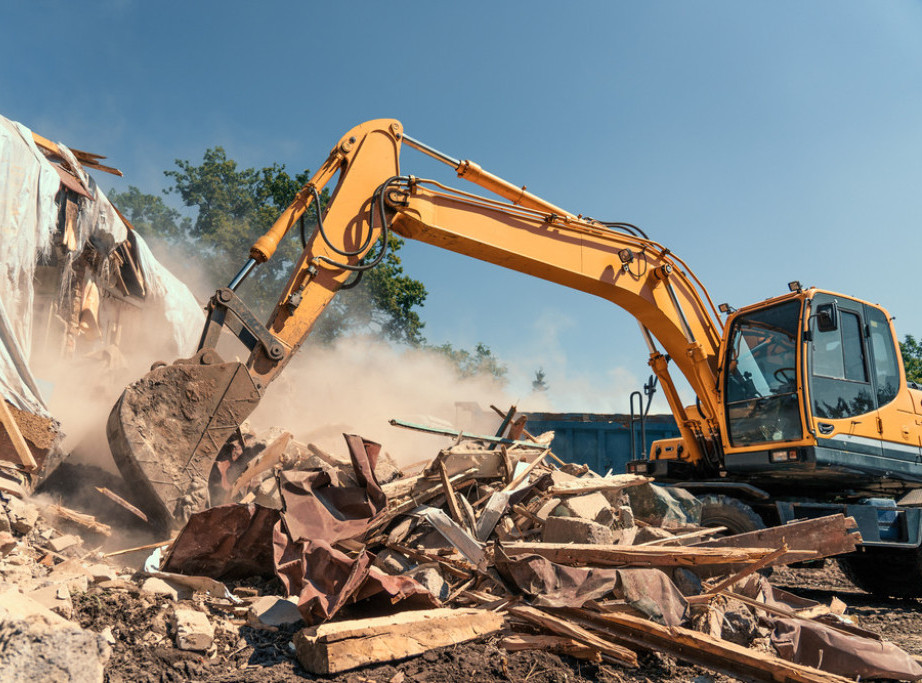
[[102, 572], [590, 506], [575, 530], [17, 605], [271, 610], [40, 651], [431, 579], [393, 562], [72, 573], [55, 597], [62, 543], [651, 533], [22, 516], [193, 630], [7, 542], [158, 586], [664, 506]]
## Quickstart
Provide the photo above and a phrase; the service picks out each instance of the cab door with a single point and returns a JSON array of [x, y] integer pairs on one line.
[[842, 395], [897, 419]]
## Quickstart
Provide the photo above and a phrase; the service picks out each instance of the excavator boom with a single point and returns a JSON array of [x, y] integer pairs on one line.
[[167, 428]]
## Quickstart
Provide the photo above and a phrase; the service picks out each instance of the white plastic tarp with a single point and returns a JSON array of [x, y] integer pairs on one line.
[[28, 184], [28, 217]]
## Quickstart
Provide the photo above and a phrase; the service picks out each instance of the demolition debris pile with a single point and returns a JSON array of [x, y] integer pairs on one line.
[[338, 567]]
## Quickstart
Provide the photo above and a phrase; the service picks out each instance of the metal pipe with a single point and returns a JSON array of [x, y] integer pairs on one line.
[[647, 338], [242, 275], [675, 302], [434, 153]]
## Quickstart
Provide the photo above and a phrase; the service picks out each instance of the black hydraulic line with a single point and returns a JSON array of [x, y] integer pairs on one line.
[[627, 227], [354, 282], [323, 233], [378, 198]]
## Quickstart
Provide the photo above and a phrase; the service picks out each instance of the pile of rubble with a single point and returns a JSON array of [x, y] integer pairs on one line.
[[345, 564]]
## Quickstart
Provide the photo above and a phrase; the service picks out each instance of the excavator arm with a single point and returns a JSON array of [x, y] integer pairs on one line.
[[523, 233]]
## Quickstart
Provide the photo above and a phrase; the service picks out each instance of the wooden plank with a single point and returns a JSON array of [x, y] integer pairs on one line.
[[748, 571], [341, 646], [702, 649], [118, 500], [638, 556], [558, 644], [149, 546], [267, 459], [418, 498], [514, 484], [16, 437], [78, 518], [818, 538], [401, 487], [531, 437], [578, 487], [563, 627], [450, 495], [710, 531]]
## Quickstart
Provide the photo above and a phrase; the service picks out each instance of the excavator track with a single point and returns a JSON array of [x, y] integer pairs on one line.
[[168, 427]]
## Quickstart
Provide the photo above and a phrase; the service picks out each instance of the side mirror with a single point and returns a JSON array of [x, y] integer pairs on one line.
[[827, 317]]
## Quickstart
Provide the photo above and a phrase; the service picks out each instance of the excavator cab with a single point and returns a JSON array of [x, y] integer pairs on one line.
[[812, 394]]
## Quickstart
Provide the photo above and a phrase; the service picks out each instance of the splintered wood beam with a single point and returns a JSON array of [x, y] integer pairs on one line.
[[528, 435], [87, 159], [564, 627], [699, 648], [615, 482], [16, 437], [450, 495], [818, 538], [710, 531], [748, 571], [341, 646], [636, 556], [558, 644], [513, 485], [118, 500], [80, 519]]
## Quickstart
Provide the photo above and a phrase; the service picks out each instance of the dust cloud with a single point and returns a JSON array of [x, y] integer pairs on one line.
[[81, 391], [359, 384]]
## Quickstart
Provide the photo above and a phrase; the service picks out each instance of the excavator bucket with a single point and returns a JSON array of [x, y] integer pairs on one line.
[[167, 428]]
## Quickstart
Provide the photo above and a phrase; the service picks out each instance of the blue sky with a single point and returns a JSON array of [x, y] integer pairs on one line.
[[761, 141]]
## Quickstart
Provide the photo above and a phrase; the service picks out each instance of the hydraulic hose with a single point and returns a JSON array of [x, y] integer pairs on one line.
[[376, 200]]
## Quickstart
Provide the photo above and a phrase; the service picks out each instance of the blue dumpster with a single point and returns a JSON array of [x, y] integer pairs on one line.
[[601, 441]]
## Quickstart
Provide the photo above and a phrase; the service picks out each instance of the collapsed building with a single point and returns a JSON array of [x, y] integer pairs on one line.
[[77, 282]]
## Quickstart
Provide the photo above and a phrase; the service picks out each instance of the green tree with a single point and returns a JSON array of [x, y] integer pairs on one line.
[[912, 358], [151, 216], [233, 207], [481, 361]]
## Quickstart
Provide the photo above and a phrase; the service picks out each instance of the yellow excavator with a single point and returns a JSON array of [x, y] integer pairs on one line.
[[801, 409]]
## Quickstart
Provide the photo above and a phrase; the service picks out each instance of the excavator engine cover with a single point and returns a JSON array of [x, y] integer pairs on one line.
[[167, 428]]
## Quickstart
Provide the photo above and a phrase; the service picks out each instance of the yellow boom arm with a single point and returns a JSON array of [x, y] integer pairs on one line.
[[524, 233]]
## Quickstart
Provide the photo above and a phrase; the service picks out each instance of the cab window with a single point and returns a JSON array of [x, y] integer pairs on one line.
[[760, 378], [883, 349], [840, 384]]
